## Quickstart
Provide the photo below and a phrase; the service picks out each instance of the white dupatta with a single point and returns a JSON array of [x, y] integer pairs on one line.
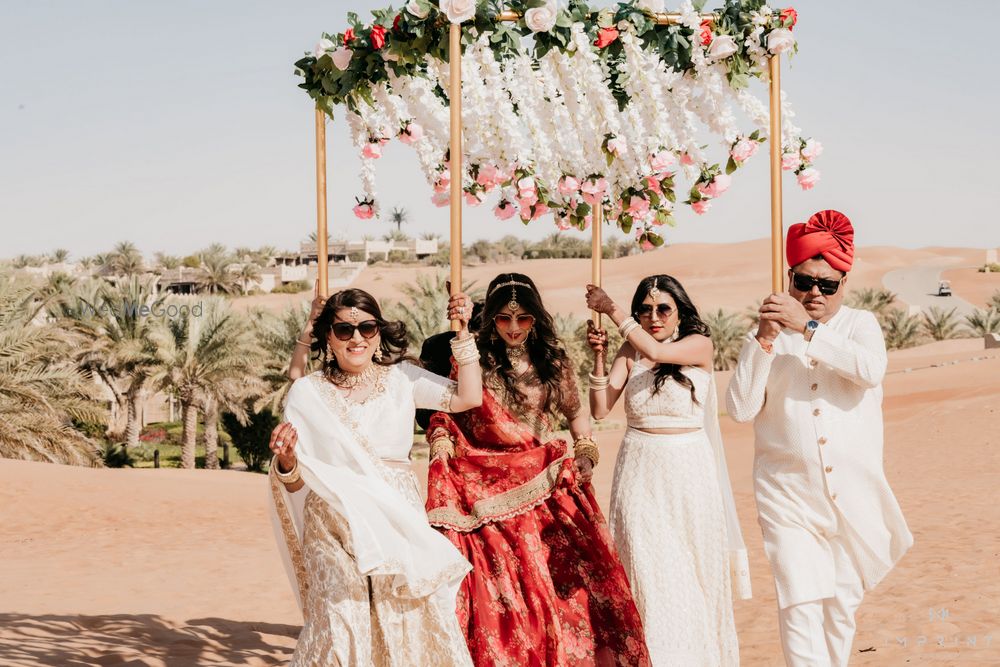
[[388, 535], [739, 564]]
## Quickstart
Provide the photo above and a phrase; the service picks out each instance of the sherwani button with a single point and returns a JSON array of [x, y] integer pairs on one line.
[[816, 412], [834, 496], [829, 468], [822, 441], [814, 386]]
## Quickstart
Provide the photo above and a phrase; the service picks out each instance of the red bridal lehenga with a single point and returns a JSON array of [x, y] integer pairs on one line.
[[547, 587]]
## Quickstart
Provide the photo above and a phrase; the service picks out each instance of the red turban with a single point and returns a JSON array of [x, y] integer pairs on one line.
[[827, 233]]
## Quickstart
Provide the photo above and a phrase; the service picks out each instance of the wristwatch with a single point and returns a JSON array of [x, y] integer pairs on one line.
[[810, 329]]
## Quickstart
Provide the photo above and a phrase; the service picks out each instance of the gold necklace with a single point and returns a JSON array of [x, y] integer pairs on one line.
[[516, 352], [352, 381]]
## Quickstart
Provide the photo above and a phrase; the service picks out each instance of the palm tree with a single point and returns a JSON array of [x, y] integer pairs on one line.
[[875, 300], [247, 275], [60, 255], [395, 235], [901, 330], [941, 324], [994, 302], [728, 332], [218, 278], [165, 261], [41, 392], [430, 236], [276, 338], [113, 323], [209, 360], [216, 250], [398, 217], [125, 260], [983, 322]]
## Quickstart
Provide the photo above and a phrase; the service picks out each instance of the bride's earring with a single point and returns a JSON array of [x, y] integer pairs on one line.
[[677, 332], [378, 354]]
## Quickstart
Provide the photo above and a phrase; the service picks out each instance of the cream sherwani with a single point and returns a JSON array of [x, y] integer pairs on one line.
[[822, 495]]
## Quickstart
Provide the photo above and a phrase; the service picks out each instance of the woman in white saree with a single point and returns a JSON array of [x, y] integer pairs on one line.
[[673, 517], [376, 584]]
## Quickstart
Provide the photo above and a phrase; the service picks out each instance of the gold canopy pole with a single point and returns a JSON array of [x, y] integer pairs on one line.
[[596, 255], [455, 157], [321, 244], [777, 230]]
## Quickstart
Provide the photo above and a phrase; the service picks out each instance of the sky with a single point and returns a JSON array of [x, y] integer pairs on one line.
[[178, 124]]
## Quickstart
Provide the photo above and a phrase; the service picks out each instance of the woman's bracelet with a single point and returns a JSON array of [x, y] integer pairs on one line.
[[628, 326], [587, 448], [299, 341], [464, 350], [599, 382], [290, 477], [442, 444]]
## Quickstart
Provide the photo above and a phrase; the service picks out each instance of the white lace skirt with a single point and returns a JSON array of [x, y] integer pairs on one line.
[[668, 523], [354, 620]]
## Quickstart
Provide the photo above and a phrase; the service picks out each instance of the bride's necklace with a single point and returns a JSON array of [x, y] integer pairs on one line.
[[352, 381], [518, 357]]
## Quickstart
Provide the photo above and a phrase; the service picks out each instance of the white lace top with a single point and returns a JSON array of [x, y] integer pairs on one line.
[[671, 406], [386, 416]]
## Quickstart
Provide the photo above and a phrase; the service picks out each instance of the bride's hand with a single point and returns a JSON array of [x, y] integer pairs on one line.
[[599, 301], [283, 441], [584, 469]]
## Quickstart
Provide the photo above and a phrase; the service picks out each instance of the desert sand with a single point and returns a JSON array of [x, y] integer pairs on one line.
[[175, 567]]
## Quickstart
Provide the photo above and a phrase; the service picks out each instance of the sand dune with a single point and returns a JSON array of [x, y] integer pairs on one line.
[[172, 567]]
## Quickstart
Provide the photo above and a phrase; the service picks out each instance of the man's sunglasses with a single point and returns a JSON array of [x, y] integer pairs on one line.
[[523, 321], [345, 330], [646, 310], [805, 284]]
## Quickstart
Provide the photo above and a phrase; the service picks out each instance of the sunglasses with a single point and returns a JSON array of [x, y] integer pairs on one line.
[[345, 330], [646, 310], [826, 286], [523, 321]]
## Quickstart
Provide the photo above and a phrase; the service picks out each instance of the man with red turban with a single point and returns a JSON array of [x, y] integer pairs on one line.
[[811, 379]]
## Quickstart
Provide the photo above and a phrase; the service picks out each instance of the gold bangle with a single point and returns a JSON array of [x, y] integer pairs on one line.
[[302, 343], [290, 477], [599, 381], [587, 448], [442, 445]]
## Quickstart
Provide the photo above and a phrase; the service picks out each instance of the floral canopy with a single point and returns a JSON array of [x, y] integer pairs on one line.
[[565, 108]]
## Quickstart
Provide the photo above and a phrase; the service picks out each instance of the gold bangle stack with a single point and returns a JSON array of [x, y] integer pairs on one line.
[[627, 327], [442, 444], [599, 382], [299, 341], [464, 350], [289, 477], [587, 448]]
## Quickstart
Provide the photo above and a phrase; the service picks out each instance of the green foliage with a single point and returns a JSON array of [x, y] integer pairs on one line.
[[293, 287], [994, 301], [252, 440], [983, 322], [941, 324], [728, 332], [901, 330], [875, 300]]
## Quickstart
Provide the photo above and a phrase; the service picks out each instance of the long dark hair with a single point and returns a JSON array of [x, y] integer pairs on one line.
[[546, 354], [688, 323], [393, 342]]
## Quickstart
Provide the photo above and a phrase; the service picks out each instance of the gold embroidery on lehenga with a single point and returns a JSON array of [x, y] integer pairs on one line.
[[291, 538], [503, 505]]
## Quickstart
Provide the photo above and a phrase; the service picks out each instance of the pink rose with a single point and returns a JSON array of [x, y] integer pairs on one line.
[[647, 245], [617, 145], [505, 210], [525, 213], [322, 47], [372, 150], [780, 40], [718, 185], [653, 183], [364, 211], [701, 206], [743, 150], [593, 190], [443, 183], [342, 57], [562, 222], [587, 219], [662, 162], [686, 159], [488, 176], [722, 46], [458, 11], [441, 199], [808, 178], [638, 207], [474, 198], [812, 150], [790, 161], [528, 199], [568, 186], [540, 210], [412, 134]]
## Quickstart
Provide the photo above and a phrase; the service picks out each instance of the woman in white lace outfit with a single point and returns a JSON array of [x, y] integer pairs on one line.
[[672, 514], [375, 582]]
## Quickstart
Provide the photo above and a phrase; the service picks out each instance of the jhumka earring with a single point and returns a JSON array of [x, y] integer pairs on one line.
[[677, 332], [378, 354]]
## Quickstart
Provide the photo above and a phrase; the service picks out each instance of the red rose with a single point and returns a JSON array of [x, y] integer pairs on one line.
[[348, 36], [706, 32], [605, 36], [395, 22], [378, 37], [789, 17]]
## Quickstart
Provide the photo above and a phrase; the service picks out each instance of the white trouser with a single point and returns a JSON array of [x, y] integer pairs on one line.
[[819, 633]]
